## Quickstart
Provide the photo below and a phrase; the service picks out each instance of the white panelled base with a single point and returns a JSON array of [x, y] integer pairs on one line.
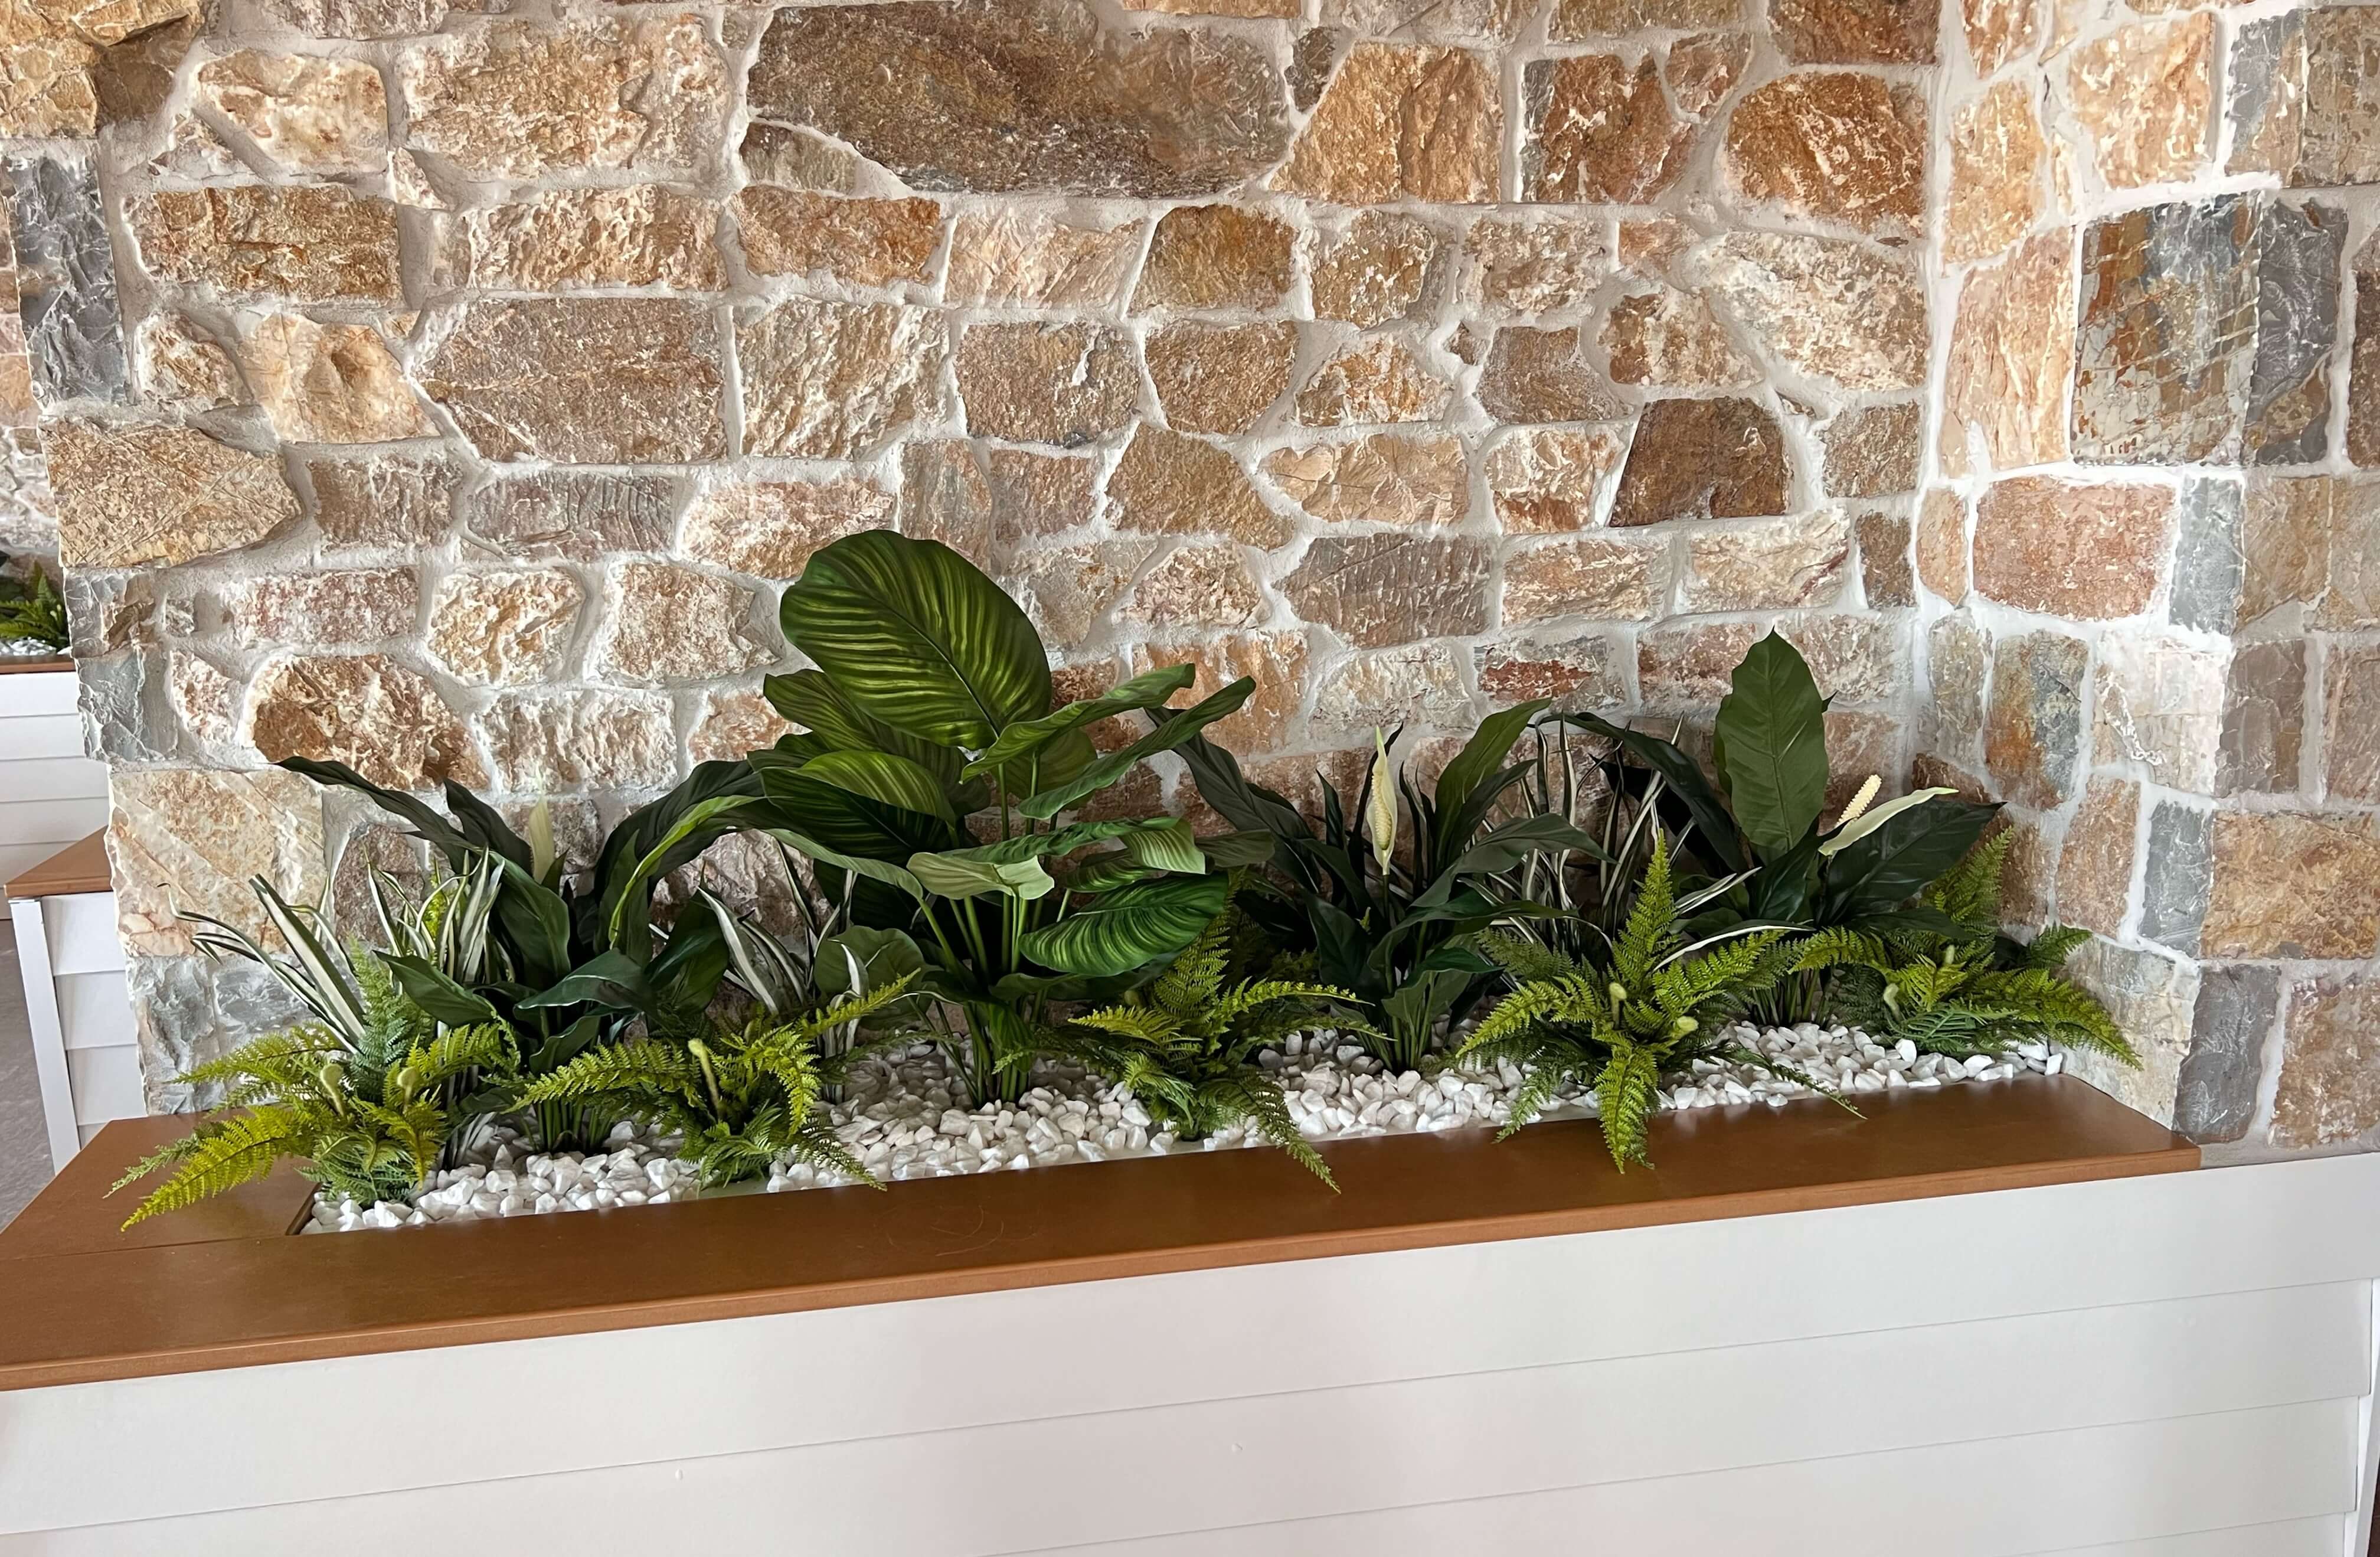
[[51, 794], [86, 1054], [2179, 1366]]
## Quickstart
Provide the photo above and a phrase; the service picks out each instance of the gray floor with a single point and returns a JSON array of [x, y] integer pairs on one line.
[[24, 1149]]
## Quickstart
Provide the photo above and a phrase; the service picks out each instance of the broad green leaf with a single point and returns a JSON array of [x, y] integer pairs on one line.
[[1231, 851], [444, 1000], [609, 979], [630, 842], [1176, 729], [1064, 840], [1772, 736], [880, 775], [1506, 848], [479, 821], [1128, 928], [1893, 863], [1685, 782], [914, 635], [712, 818], [955, 875], [1167, 846], [810, 700], [427, 821], [881, 956], [1482, 757], [843, 820], [1028, 737], [536, 922], [1105, 872], [1248, 806], [1874, 817], [859, 865]]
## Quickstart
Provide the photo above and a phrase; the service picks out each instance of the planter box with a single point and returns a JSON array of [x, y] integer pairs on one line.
[[50, 793], [1992, 1319]]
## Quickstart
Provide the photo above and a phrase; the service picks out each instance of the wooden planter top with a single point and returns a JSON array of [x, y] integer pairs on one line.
[[73, 870], [20, 664], [225, 1286]]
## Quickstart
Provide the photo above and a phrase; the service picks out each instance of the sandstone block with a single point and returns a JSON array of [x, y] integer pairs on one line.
[[732, 723], [382, 500], [1069, 591], [545, 743], [1941, 543], [576, 515], [1830, 308], [1997, 152], [1852, 659], [1400, 121], [2292, 885], [1575, 19], [1776, 566], [2091, 551], [1411, 482], [2143, 93], [2167, 333], [1544, 480], [183, 368], [1704, 68], [311, 242], [1027, 259], [1198, 587], [190, 840], [643, 235], [2154, 999], [1418, 685], [1516, 265], [2160, 703], [138, 496], [331, 384], [1375, 591], [1381, 380], [796, 158], [1601, 579], [1873, 452], [1885, 574], [1598, 131], [504, 628], [2328, 1094], [2094, 869], [1217, 257], [1534, 375], [865, 242], [347, 607], [2351, 748], [1702, 460], [1998, 30], [1586, 672], [670, 625], [770, 529], [1377, 270], [2032, 731], [1276, 661], [618, 381], [1836, 145], [1856, 32], [1959, 666], [307, 114], [1220, 378], [1672, 339], [2011, 355], [1687, 667], [1047, 384], [380, 718], [836, 381], [1172, 483]]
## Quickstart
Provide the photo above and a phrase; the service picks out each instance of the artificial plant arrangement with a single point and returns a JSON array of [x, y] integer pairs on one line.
[[30, 609], [1383, 896]]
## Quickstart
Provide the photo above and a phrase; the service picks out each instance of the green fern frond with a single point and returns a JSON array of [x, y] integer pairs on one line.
[[221, 1156], [1266, 1110], [2049, 949], [1840, 946], [1576, 998], [817, 1144], [1651, 931], [1541, 1082], [641, 1065], [1525, 960], [1138, 1024], [1970, 891], [1626, 1091]]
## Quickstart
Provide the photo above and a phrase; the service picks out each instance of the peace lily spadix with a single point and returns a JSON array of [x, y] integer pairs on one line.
[[1380, 806]]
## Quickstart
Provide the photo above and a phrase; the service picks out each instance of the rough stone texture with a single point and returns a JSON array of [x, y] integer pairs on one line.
[[1548, 265], [835, 381], [181, 840], [1941, 545], [2061, 549], [2033, 732], [2293, 885], [1174, 483], [2263, 718], [1702, 460], [770, 529], [1603, 579], [2011, 354], [309, 115], [1534, 375], [1545, 482], [1588, 672], [1312, 59], [935, 92], [507, 628], [1047, 384], [1885, 573], [574, 516], [382, 501], [1384, 380], [1411, 482], [2302, 102], [2165, 343], [732, 723], [2208, 564], [380, 718], [1856, 32], [1874, 452], [865, 242], [1068, 593], [1198, 587], [2350, 722], [515, 100], [1379, 590], [2216, 1096], [984, 502], [2329, 1090], [584, 380], [644, 235], [1599, 132], [1959, 663], [1996, 151], [348, 607], [796, 159], [1575, 20], [1704, 68], [311, 242], [1483, 19], [1826, 306], [670, 624], [1377, 270], [330, 384], [1852, 659], [1419, 686], [1217, 257], [545, 742], [2363, 374], [2160, 704], [1836, 146], [1779, 565], [185, 368], [2299, 250], [2094, 869], [1687, 667], [1276, 661], [1998, 30], [135, 495], [2309, 541], [1220, 378], [1672, 340], [1030, 259], [2143, 93], [1401, 122], [2153, 998], [73, 336]]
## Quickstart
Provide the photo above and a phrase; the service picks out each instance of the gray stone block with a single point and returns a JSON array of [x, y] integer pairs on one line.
[[2236, 1006]]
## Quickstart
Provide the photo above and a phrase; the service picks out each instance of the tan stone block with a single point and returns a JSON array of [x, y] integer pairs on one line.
[[504, 628], [1599, 132], [2144, 93], [1549, 264], [837, 380], [1576, 19], [1172, 483], [1703, 460], [516, 100], [204, 699], [617, 380], [2160, 703], [2033, 732], [577, 516], [669, 625], [1220, 378], [1069, 591], [1545, 482], [1873, 451], [313, 242], [1498, 19], [1588, 671], [2011, 354], [1673, 340], [2290, 885], [1418, 685], [1885, 574], [383, 500], [1704, 68], [1410, 482], [1375, 591], [331, 384], [2312, 540], [2351, 742], [1535, 375], [2153, 1000], [1852, 659], [1829, 307], [380, 718], [1778, 565], [1856, 32], [1401, 122], [1198, 587], [796, 158], [1047, 384], [2081, 551], [983, 501], [1381, 380], [1601, 579], [732, 723], [865, 242], [185, 368], [135, 494], [1996, 151], [1029, 259], [770, 529], [1276, 661], [180, 841], [1836, 145], [1690, 665], [2095, 869], [1377, 270], [1958, 667], [2329, 1088], [2000, 31], [547, 742], [347, 607], [1217, 257], [307, 114], [643, 235]]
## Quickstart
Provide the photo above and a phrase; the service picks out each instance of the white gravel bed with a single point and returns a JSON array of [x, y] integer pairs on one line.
[[903, 1120]]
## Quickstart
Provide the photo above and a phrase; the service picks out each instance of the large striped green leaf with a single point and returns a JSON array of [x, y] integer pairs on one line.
[[1029, 737], [810, 700], [1165, 737], [1128, 928], [880, 775], [914, 635]]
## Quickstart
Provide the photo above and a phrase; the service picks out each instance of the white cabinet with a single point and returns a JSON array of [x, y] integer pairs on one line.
[[50, 793], [84, 1046]]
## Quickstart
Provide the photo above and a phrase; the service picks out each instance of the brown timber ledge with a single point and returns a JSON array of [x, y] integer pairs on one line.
[[228, 1286]]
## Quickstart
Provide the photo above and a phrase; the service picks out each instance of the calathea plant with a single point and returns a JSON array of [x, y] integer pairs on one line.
[[1187, 1044], [1652, 1000], [1972, 988], [370, 1096], [1385, 895]]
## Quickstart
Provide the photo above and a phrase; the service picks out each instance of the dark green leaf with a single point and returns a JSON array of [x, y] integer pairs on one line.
[[1165, 737], [1482, 756], [1686, 783], [425, 819], [1249, 807], [1892, 864], [810, 700], [440, 996], [1772, 735], [1123, 931], [477, 822], [609, 978], [880, 775], [1028, 737], [1506, 848]]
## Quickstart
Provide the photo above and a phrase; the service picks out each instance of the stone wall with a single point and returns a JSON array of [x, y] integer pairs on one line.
[[2150, 569], [445, 392]]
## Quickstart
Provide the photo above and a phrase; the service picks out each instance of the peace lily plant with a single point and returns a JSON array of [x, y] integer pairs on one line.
[[959, 883]]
